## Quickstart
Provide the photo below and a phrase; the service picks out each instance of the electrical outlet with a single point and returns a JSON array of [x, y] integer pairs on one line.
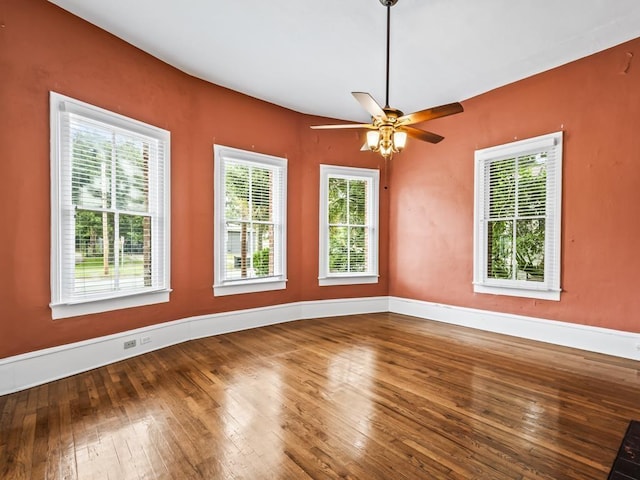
[[129, 344], [145, 340]]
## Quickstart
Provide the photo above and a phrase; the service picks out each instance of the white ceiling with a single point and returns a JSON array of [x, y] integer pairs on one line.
[[307, 55]]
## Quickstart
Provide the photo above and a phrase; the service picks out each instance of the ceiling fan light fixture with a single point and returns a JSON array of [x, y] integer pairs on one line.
[[386, 140], [389, 127]]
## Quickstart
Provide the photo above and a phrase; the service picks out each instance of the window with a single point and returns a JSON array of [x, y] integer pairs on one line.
[[250, 221], [348, 225], [109, 210], [517, 218]]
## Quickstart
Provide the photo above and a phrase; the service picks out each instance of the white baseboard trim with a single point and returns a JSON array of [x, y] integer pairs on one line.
[[35, 368], [594, 339]]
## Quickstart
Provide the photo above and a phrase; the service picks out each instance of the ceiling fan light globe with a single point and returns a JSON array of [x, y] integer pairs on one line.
[[373, 139], [386, 149], [399, 140]]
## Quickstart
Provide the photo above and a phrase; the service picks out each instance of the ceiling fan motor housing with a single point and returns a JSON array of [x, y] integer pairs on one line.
[[388, 3], [393, 113]]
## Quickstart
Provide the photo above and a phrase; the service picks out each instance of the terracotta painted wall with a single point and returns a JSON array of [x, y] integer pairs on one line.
[[426, 214], [596, 101], [44, 48]]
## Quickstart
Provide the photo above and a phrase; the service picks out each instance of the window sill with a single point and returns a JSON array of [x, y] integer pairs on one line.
[[518, 292], [248, 286], [66, 310], [347, 280]]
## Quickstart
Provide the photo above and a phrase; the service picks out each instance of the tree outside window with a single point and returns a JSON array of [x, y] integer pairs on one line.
[[348, 225], [250, 221], [110, 197], [348, 252], [516, 218], [518, 193], [109, 202]]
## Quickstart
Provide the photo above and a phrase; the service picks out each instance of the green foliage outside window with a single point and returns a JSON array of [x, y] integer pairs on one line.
[[261, 262], [517, 213], [248, 204], [347, 210], [109, 172]]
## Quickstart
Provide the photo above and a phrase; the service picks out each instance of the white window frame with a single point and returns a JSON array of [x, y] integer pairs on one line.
[[64, 304], [371, 176], [549, 289], [221, 286]]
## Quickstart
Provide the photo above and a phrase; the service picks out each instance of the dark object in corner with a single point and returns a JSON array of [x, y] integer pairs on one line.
[[627, 463]]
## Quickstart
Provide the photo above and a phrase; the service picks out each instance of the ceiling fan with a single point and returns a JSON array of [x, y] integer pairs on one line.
[[389, 127]]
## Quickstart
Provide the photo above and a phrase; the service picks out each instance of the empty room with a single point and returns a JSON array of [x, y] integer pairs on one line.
[[364, 239]]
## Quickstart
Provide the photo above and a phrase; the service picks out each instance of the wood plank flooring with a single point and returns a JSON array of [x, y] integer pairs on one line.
[[379, 396]]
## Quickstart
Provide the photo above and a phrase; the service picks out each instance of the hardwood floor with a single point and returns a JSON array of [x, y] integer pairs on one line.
[[379, 396]]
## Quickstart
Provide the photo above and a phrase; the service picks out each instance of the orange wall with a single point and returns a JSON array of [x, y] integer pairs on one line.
[[44, 48], [426, 215], [597, 104]]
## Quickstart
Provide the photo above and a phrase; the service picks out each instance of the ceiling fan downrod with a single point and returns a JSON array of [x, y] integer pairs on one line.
[[388, 4]]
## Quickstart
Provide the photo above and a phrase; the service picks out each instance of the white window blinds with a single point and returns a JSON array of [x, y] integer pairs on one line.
[[518, 216], [250, 219], [111, 193]]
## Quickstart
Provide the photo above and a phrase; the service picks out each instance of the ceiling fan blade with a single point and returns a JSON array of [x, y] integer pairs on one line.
[[430, 114], [342, 125], [369, 104], [422, 135]]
